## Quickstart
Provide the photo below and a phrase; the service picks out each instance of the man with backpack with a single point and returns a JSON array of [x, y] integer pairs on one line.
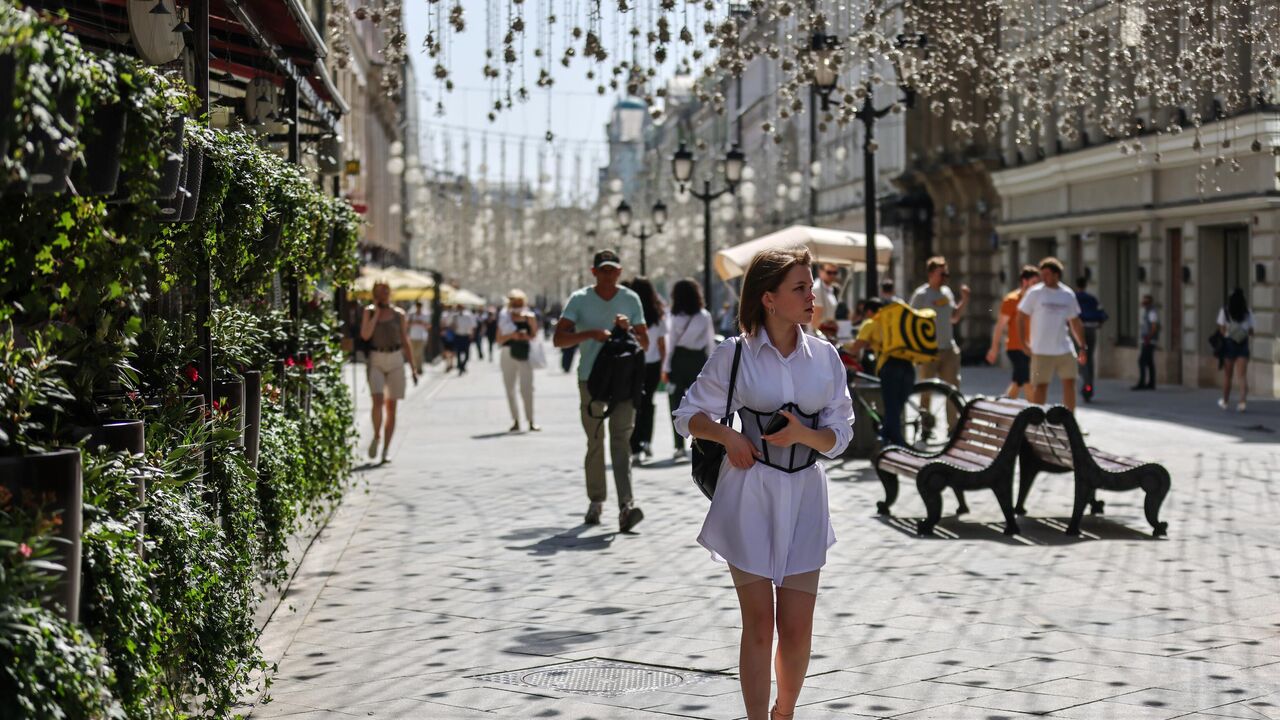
[[900, 336], [606, 321]]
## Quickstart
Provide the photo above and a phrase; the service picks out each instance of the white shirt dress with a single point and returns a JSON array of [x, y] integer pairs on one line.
[[763, 520]]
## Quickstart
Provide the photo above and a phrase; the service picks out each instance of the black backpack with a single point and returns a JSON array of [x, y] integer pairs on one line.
[[618, 375]]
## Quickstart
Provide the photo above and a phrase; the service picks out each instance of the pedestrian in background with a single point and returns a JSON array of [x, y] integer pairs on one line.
[[897, 374], [1092, 316], [517, 327], [589, 316], [769, 518], [1016, 348], [419, 332], [386, 328], [1235, 322], [691, 337], [490, 329], [1050, 316], [728, 320], [889, 292], [464, 330], [447, 337], [655, 318], [935, 295], [1149, 332], [826, 298]]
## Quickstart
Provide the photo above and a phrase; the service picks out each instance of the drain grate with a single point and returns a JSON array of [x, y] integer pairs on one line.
[[604, 678]]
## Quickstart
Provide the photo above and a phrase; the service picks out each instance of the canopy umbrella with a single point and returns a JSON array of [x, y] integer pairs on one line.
[[841, 247], [405, 284], [459, 296]]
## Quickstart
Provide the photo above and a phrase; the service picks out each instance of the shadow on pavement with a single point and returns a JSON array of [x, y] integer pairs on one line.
[[1047, 531], [565, 540], [492, 435]]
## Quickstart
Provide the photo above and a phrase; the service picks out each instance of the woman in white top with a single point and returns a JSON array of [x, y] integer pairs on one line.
[[655, 317], [769, 519], [1235, 322], [691, 338], [517, 327]]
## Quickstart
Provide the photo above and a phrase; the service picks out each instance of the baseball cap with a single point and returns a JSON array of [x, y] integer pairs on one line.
[[606, 258]]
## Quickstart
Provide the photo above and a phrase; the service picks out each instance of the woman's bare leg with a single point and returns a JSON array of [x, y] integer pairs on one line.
[[1243, 364], [390, 425], [795, 638], [756, 601], [1228, 369]]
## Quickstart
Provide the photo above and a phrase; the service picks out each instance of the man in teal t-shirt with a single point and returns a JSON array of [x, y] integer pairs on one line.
[[587, 319]]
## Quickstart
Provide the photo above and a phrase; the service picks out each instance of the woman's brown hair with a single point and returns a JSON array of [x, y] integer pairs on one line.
[[765, 274]]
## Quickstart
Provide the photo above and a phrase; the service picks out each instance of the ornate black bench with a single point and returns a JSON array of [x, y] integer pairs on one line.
[[1058, 446], [981, 454]]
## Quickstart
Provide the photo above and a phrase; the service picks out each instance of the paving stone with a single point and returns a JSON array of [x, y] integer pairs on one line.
[[467, 556]]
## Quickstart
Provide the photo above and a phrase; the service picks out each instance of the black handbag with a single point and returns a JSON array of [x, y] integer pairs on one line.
[[707, 455]]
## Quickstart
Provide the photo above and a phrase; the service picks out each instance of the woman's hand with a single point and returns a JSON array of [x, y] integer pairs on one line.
[[793, 433], [741, 451]]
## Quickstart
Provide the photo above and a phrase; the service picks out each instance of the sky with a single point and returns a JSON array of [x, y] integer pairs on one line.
[[577, 112]]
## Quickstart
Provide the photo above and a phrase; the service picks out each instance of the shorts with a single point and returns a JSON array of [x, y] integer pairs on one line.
[[1232, 350], [1044, 367], [1021, 366], [386, 373], [804, 582]]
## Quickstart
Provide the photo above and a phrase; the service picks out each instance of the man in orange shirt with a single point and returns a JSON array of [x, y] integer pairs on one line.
[[1016, 348]]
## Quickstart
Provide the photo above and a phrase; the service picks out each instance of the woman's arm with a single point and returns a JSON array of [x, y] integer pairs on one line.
[[741, 451], [367, 322]]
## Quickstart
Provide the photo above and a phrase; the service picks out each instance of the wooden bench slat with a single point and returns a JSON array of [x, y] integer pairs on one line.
[[989, 451]]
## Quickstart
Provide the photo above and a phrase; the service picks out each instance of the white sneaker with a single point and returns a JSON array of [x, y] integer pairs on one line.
[[680, 454], [1240, 406], [1222, 403]]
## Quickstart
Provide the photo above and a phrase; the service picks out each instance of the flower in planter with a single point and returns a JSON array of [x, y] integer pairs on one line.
[[307, 364], [24, 550], [192, 373], [290, 362]]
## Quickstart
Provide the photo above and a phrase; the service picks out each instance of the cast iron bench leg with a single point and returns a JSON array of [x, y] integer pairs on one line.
[[1156, 486], [930, 487], [1026, 478], [962, 508], [890, 482], [1084, 493], [1003, 488]]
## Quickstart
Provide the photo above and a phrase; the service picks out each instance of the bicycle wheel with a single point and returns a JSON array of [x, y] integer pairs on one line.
[[930, 412]]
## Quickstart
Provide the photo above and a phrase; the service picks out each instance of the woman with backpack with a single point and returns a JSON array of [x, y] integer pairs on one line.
[[690, 339], [1235, 322], [769, 517], [655, 316]]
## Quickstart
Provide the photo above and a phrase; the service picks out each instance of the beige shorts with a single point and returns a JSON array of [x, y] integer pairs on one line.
[[386, 373], [804, 582], [1044, 367]]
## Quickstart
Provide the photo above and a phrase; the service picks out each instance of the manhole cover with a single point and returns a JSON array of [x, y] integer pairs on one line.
[[598, 677]]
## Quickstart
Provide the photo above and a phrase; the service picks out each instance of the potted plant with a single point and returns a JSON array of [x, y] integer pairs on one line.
[[32, 465], [105, 105]]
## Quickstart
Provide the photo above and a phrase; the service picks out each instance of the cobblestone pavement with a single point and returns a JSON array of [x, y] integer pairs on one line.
[[465, 556]]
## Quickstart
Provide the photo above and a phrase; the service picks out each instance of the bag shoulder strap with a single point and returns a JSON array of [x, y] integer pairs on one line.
[[733, 381]]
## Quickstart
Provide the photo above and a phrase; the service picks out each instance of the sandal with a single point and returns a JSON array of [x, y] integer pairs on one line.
[[775, 715]]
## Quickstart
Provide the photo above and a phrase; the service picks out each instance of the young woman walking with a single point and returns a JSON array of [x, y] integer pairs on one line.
[[690, 339], [769, 520], [1235, 322], [517, 326]]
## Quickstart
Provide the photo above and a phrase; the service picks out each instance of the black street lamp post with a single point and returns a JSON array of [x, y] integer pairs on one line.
[[682, 169], [659, 219]]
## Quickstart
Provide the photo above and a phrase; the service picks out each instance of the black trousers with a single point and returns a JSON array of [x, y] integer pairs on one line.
[[1147, 366], [677, 396], [462, 346], [642, 434]]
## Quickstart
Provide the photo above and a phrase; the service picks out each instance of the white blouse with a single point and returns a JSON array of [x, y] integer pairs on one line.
[[763, 520], [696, 332]]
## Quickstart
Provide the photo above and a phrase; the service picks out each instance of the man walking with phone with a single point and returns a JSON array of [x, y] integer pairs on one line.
[[589, 316]]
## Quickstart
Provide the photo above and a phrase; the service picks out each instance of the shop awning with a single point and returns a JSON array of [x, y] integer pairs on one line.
[[842, 247]]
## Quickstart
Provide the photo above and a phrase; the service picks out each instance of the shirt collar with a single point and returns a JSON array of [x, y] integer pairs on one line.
[[760, 339]]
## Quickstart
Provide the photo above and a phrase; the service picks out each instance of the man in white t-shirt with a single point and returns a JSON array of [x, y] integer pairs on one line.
[[464, 330], [1045, 315]]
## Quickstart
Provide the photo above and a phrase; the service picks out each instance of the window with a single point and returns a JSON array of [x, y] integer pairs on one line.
[[1124, 258]]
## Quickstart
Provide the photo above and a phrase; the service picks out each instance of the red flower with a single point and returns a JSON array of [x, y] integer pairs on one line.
[[215, 405], [24, 550], [308, 364], [290, 362], [192, 374]]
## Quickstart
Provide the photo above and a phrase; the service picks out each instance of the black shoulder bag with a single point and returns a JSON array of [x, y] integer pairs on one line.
[[707, 455]]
